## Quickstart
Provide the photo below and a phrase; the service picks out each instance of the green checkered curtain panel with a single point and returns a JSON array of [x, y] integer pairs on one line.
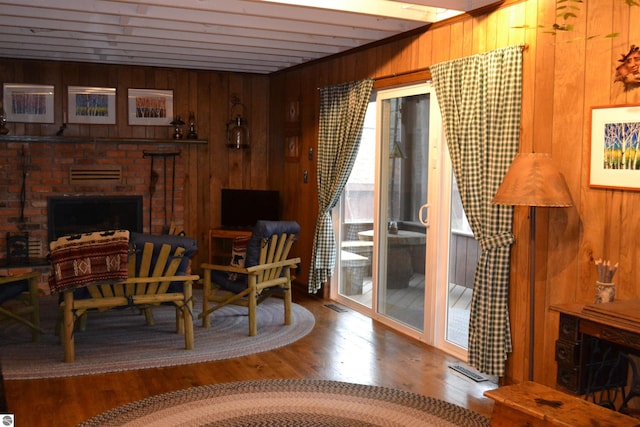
[[480, 99], [342, 111]]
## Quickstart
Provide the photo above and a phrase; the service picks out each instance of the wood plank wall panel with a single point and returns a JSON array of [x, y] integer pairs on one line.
[[237, 176], [261, 164], [205, 93], [276, 135], [521, 16], [308, 194], [597, 20], [299, 198], [198, 187], [290, 173], [218, 98], [457, 33], [587, 200], [630, 250], [536, 131], [564, 76], [578, 234]]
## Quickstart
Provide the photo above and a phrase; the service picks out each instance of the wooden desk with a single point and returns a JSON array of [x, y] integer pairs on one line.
[[585, 332], [219, 253], [532, 404]]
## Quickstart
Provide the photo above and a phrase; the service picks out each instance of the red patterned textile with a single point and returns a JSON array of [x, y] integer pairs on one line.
[[81, 259], [238, 254]]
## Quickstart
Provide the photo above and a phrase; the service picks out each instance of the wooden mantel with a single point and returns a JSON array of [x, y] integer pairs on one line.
[[90, 139]]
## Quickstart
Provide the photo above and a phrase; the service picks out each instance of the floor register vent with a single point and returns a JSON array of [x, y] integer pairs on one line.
[[477, 377]]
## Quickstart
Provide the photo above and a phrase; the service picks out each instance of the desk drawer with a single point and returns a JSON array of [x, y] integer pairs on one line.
[[567, 352], [569, 328], [568, 378], [610, 334]]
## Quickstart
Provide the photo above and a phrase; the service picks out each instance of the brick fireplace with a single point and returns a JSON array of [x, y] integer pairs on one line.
[[34, 170]]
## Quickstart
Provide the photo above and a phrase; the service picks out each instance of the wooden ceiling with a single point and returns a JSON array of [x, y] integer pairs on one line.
[[255, 36]]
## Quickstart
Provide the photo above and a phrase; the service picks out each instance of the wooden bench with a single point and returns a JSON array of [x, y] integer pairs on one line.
[[533, 404], [154, 278]]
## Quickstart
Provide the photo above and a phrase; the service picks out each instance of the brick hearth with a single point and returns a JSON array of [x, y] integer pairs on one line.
[[52, 170]]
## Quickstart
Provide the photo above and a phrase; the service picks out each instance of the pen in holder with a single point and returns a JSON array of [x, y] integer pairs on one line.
[[605, 288]]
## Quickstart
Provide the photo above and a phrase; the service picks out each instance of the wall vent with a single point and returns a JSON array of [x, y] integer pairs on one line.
[[35, 248], [95, 175]]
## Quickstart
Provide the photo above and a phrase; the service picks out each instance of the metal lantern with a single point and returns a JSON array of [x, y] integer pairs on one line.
[[237, 129]]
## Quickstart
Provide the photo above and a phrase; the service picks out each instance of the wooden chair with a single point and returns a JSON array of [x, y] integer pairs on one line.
[[266, 272], [22, 290], [154, 279]]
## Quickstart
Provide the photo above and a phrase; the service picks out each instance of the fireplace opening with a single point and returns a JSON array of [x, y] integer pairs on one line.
[[84, 214]]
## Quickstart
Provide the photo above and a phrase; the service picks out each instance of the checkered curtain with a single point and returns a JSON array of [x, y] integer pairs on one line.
[[480, 99], [342, 111]]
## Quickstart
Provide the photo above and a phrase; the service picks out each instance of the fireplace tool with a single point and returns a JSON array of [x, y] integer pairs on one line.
[[170, 227], [153, 180], [23, 188]]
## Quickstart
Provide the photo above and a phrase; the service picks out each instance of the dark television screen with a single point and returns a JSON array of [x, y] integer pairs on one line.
[[242, 208]]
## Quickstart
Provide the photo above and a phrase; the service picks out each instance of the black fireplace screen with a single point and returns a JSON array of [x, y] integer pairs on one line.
[[17, 248], [71, 215]]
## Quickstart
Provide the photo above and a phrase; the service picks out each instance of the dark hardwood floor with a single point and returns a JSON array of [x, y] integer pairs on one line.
[[343, 346]]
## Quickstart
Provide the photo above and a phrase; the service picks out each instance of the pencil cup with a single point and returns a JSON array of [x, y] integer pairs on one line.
[[605, 292]]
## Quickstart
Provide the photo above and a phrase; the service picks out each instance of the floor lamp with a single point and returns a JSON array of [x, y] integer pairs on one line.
[[533, 180]]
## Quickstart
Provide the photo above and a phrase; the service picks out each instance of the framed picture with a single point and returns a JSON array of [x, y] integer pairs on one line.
[[28, 103], [291, 147], [615, 147], [292, 112], [94, 105], [150, 107]]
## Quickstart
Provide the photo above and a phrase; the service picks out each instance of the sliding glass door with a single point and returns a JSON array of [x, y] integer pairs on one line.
[[404, 116], [397, 219], [382, 222]]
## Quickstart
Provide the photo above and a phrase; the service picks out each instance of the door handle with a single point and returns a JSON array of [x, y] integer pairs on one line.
[[423, 215]]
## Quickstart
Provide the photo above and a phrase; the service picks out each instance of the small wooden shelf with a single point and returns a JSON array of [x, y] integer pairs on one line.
[[220, 253], [102, 140]]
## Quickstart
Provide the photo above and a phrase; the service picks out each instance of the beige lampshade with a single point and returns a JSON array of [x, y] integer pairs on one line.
[[533, 180]]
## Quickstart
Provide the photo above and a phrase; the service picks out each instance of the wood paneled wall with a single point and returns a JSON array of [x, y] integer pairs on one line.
[[564, 75], [209, 95]]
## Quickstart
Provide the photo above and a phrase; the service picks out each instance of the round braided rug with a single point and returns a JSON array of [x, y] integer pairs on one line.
[[119, 340], [289, 403]]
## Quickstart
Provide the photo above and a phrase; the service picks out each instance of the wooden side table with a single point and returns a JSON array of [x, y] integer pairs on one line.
[[533, 404], [220, 253], [33, 307]]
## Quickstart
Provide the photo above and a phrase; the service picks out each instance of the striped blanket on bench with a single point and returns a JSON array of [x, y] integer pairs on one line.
[[81, 259]]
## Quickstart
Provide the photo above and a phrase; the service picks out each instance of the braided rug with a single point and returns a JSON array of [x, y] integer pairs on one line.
[[288, 403], [119, 340]]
